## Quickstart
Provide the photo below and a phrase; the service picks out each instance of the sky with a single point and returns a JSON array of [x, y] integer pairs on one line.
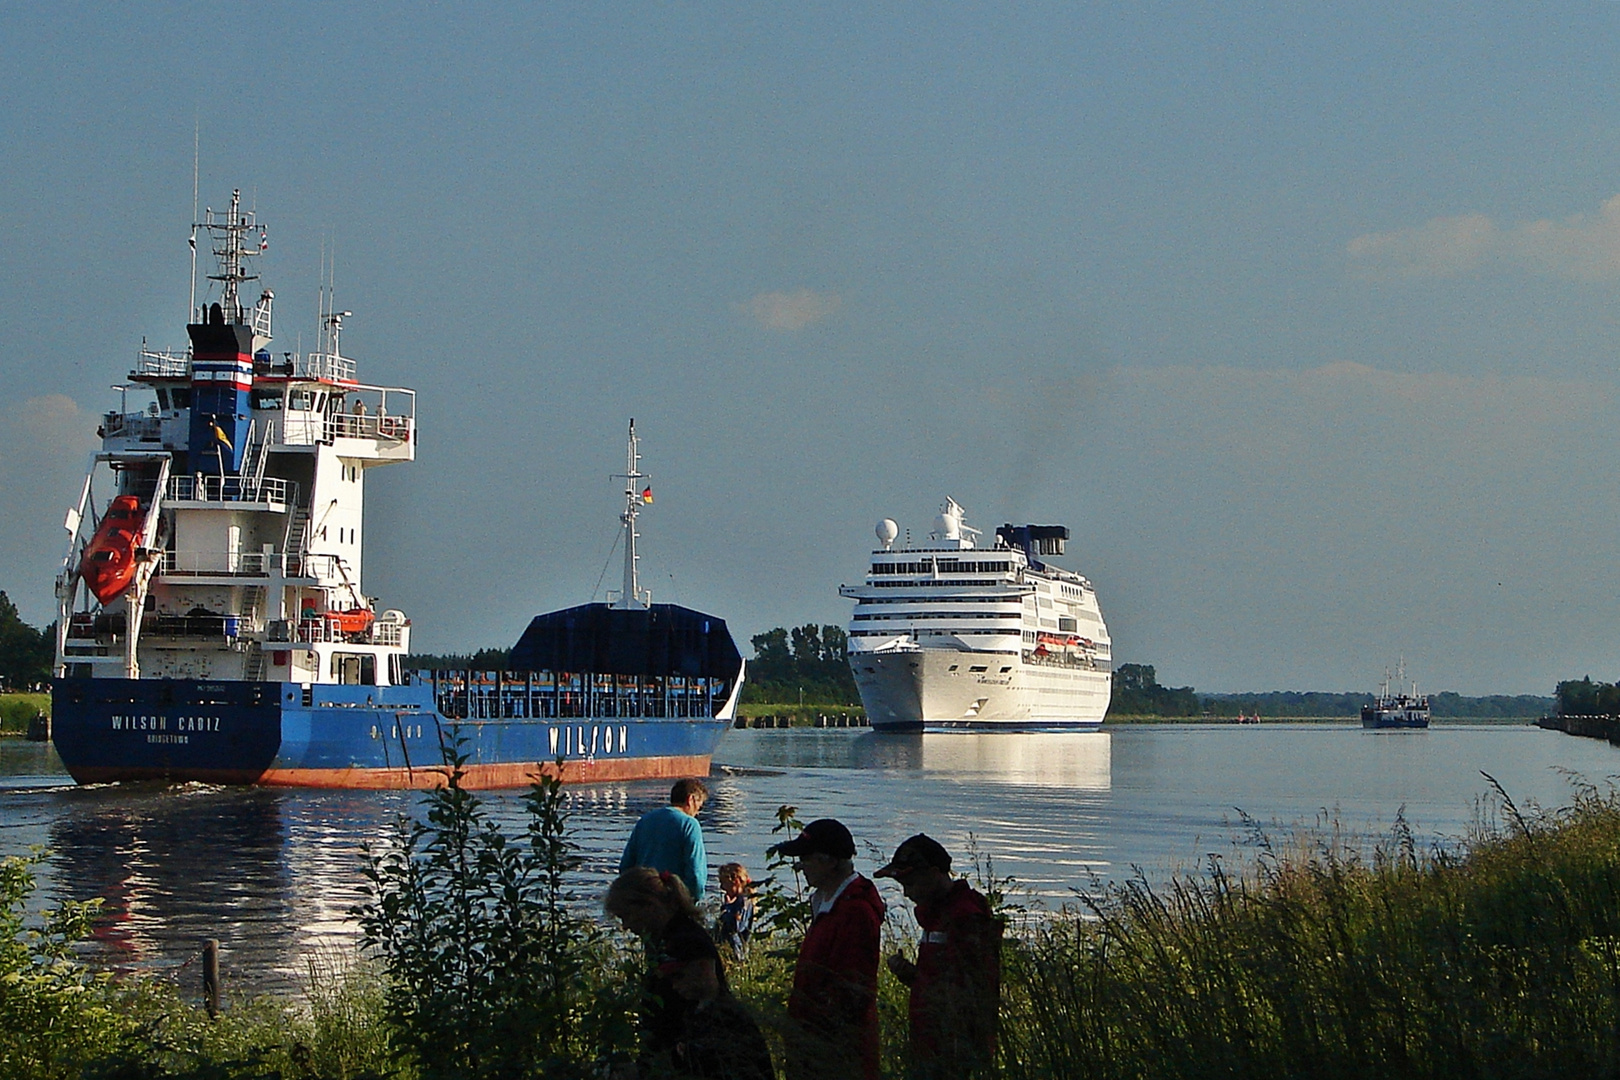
[[1303, 317]]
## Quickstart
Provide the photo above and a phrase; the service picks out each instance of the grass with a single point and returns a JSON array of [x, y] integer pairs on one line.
[[1318, 957], [807, 711], [17, 709]]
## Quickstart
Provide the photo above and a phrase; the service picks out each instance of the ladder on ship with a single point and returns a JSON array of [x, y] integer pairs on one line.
[[258, 453], [253, 658], [296, 539]]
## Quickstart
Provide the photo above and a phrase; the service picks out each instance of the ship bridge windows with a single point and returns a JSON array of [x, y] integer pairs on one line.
[[354, 669], [944, 566], [179, 397], [267, 400]]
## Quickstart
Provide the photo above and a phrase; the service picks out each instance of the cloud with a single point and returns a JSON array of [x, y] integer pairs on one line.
[[1581, 247], [789, 311], [1440, 247]]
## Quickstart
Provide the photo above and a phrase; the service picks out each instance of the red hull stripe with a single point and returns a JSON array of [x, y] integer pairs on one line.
[[482, 777], [474, 777]]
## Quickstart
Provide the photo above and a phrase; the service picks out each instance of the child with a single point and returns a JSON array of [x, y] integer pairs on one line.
[[736, 920]]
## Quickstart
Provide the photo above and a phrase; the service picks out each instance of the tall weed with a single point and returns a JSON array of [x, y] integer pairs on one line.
[[491, 972]]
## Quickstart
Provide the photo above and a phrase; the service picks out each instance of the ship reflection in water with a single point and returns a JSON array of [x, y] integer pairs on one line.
[[271, 876], [1077, 760], [1073, 760]]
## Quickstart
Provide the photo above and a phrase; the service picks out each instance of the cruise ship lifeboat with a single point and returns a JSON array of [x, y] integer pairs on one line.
[[109, 558]]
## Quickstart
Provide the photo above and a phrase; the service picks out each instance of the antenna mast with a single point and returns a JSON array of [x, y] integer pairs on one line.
[[631, 595], [196, 156], [229, 248]]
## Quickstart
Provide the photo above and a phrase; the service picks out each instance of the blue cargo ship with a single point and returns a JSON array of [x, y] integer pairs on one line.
[[212, 625]]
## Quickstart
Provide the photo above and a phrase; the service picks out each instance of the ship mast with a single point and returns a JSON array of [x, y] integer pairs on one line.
[[228, 236], [631, 595]]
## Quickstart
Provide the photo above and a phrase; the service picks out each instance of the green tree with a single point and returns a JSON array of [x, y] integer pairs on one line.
[[26, 654], [809, 659], [1137, 693]]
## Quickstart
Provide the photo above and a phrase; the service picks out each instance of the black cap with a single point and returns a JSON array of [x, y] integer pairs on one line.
[[824, 835], [914, 853]]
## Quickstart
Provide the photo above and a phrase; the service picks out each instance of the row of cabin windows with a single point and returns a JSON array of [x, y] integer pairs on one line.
[[179, 397], [1012, 600], [946, 566], [913, 616], [956, 584], [921, 631]]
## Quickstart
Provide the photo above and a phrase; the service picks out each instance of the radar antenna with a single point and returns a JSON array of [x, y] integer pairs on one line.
[[631, 595], [229, 235]]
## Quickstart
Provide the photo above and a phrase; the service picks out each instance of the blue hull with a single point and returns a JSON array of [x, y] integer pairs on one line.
[[349, 736]]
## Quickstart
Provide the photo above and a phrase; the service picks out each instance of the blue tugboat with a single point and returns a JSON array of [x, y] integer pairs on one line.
[[212, 624]]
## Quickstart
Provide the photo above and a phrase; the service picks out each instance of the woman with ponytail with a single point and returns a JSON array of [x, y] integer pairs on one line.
[[688, 1015]]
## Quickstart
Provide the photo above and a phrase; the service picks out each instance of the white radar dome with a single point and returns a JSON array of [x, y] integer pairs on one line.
[[887, 530]]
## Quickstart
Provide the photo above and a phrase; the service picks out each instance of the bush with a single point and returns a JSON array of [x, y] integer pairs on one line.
[[54, 1014], [490, 971]]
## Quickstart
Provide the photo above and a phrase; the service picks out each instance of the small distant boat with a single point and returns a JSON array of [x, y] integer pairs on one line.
[[1395, 708]]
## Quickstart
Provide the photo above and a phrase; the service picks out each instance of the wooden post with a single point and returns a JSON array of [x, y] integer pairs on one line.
[[211, 976]]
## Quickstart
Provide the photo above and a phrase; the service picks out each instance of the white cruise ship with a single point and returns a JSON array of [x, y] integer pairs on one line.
[[951, 636]]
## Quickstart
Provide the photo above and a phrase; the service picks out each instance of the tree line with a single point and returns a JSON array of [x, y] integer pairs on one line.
[[1137, 693], [1583, 697], [808, 663], [26, 654]]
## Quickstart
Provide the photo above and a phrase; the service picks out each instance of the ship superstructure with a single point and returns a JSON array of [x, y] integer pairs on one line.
[[213, 624], [952, 636], [246, 473], [1398, 704]]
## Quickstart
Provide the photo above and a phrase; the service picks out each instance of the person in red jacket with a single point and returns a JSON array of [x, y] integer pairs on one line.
[[834, 997], [956, 979]]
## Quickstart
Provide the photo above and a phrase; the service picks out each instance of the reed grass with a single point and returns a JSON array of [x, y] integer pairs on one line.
[[1501, 959]]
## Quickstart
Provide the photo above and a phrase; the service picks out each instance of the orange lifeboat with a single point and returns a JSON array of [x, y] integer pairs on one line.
[[109, 559], [352, 620]]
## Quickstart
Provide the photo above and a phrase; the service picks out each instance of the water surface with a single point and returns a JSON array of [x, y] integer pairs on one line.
[[272, 873]]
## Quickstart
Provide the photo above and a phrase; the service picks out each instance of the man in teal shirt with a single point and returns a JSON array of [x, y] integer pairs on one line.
[[671, 839]]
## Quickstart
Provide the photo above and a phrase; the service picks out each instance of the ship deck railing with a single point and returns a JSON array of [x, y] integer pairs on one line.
[[544, 695], [162, 364], [232, 489], [140, 426], [317, 365], [383, 428], [192, 563]]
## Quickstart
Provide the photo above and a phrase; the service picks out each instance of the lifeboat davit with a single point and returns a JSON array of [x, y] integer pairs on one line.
[[108, 565], [352, 620]]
